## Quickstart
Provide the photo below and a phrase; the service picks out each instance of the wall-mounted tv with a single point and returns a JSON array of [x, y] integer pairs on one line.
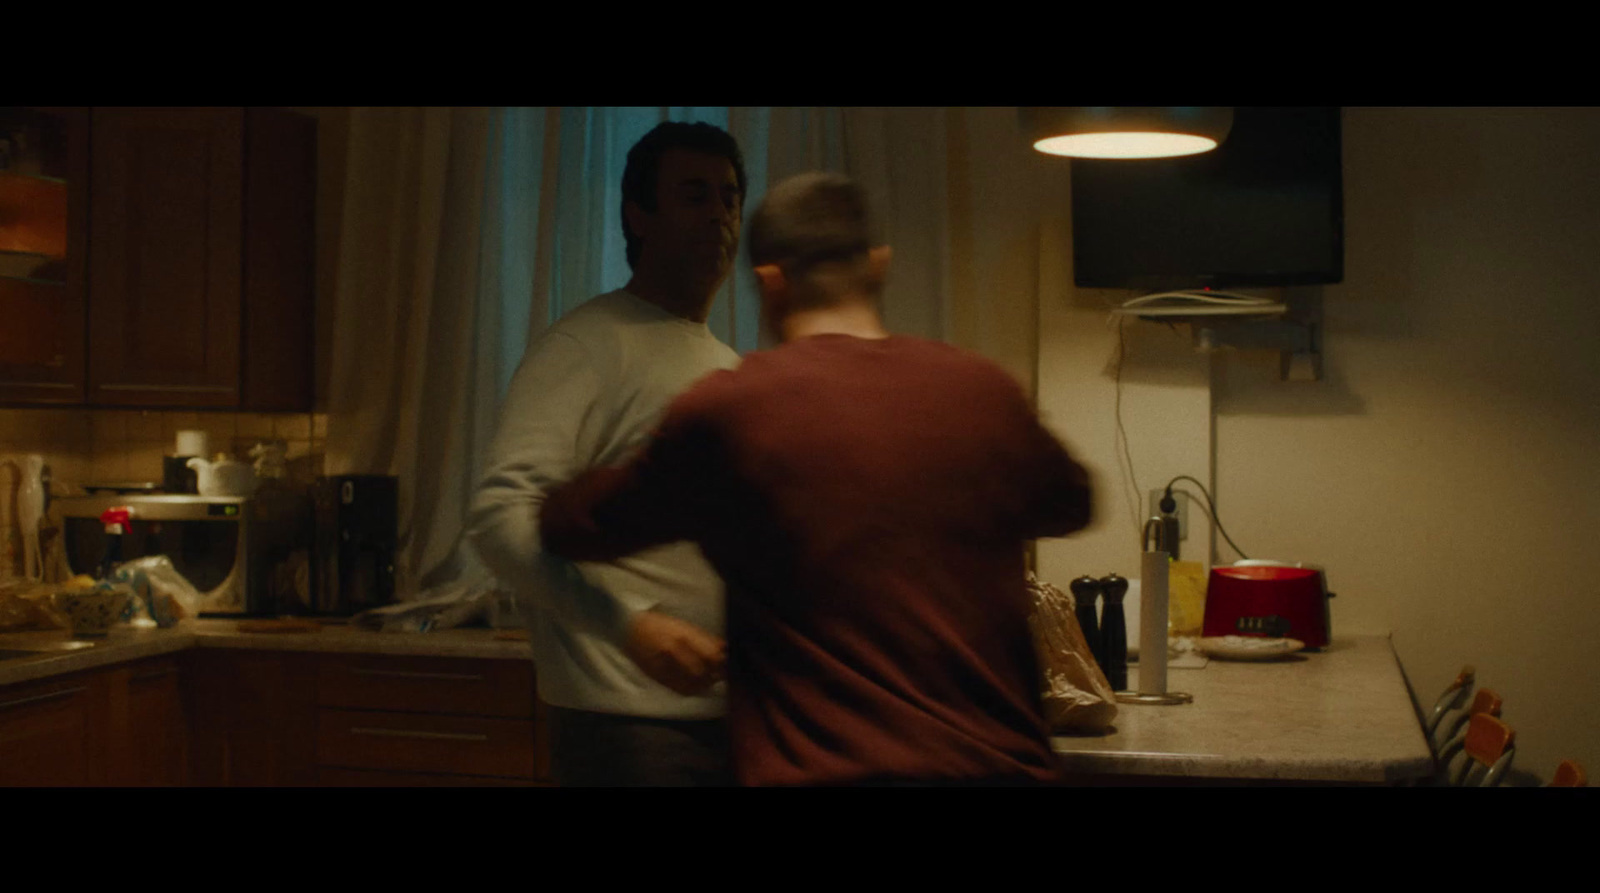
[[1266, 208]]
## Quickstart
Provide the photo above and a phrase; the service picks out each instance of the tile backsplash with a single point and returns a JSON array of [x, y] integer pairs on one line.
[[112, 446]]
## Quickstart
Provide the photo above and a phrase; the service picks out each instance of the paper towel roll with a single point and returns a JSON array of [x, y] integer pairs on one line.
[[193, 443], [1152, 633]]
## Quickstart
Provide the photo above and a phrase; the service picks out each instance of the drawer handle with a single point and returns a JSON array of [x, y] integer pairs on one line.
[[411, 674], [169, 388], [401, 733], [156, 674], [44, 697]]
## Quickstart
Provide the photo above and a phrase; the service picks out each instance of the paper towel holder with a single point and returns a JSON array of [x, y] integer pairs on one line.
[[1153, 538]]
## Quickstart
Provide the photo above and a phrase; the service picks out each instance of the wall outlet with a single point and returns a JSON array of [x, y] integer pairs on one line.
[[1182, 499]]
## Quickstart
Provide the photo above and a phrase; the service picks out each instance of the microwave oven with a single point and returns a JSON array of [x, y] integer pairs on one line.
[[247, 556]]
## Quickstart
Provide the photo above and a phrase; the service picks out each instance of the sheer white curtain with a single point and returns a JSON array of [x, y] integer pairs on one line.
[[467, 231]]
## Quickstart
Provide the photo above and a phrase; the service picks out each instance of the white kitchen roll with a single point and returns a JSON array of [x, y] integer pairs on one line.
[[192, 443], [1152, 632]]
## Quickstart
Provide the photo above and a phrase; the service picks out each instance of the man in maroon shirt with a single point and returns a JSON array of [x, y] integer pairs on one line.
[[867, 499]]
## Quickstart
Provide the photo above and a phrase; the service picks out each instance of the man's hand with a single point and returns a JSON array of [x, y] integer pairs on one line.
[[677, 654]]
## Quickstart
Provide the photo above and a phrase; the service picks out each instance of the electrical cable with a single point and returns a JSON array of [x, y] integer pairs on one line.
[[1198, 296], [1212, 513], [1122, 433]]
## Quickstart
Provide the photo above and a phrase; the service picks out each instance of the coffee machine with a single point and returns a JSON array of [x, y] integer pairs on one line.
[[356, 536]]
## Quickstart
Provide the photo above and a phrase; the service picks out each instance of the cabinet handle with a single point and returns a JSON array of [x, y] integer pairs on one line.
[[44, 697], [400, 733], [168, 388], [411, 674], [155, 674]]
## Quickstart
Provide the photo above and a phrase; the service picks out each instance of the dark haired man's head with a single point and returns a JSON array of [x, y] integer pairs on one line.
[[816, 229], [643, 181]]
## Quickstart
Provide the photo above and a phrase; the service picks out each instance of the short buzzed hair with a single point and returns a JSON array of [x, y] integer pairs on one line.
[[811, 220]]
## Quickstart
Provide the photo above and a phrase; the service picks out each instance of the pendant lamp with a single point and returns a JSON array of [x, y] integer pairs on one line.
[[1126, 131]]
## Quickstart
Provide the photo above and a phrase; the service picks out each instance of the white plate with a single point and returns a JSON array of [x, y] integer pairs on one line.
[[1248, 647]]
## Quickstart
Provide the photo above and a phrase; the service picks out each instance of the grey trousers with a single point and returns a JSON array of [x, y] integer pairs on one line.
[[599, 750]]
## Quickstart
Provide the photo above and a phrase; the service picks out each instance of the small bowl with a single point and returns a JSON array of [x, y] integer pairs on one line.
[[92, 611]]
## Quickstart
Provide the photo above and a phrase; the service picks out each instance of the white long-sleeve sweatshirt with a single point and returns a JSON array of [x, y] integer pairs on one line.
[[589, 392]]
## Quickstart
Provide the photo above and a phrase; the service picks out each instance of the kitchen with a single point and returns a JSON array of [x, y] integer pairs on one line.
[[1467, 233]]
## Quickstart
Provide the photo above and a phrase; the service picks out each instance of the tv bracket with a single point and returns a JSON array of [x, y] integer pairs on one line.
[[1298, 343], [1292, 328]]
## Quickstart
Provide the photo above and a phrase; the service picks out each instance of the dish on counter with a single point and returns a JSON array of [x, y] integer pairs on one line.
[[1248, 647]]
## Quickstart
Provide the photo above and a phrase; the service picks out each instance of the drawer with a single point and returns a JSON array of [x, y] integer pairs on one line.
[[333, 777], [406, 742], [459, 686]]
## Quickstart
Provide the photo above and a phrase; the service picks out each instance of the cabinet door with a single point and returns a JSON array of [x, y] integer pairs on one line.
[[165, 272], [44, 184], [254, 718], [54, 734], [157, 735], [280, 183]]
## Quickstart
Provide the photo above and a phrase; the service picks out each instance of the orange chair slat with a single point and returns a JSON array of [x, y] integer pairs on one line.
[[1486, 701], [1569, 775], [1487, 738]]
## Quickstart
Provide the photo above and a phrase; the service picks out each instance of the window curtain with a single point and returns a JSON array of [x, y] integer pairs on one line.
[[466, 232]]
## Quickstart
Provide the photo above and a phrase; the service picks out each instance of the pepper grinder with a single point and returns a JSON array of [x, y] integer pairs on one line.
[[1114, 633], [1085, 590]]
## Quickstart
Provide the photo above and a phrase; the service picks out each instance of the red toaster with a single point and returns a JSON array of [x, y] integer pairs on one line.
[[1268, 599]]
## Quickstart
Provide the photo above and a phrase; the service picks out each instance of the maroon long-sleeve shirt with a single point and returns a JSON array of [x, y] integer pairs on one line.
[[867, 503]]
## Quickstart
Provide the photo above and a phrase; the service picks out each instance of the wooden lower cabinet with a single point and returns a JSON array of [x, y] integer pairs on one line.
[[429, 721], [214, 717], [254, 718], [123, 727], [155, 751], [426, 743], [55, 733], [300, 720]]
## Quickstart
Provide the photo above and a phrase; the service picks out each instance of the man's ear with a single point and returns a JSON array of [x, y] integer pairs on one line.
[[636, 217], [770, 277], [879, 259]]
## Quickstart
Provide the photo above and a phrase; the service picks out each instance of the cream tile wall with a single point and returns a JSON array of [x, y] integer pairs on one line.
[[105, 446]]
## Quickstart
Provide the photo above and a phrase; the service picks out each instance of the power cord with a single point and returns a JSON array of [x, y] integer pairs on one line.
[[1197, 296], [1122, 433], [1168, 504]]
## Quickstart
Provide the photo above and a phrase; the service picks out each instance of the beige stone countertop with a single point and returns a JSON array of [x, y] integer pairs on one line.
[[1341, 715], [59, 653]]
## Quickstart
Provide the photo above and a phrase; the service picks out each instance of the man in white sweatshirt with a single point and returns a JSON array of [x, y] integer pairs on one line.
[[588, 393]]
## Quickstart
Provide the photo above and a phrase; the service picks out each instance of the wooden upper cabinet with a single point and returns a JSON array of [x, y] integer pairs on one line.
[[280, 246], [44, 189], [167, 263], [202, 246], [158, 257]]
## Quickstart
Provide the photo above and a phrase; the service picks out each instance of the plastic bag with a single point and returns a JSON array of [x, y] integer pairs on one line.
[[1077, 695], [28, 605], [163, 596], [443, 607]]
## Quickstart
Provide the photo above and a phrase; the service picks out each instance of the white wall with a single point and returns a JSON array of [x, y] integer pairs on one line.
[[1444, 472]]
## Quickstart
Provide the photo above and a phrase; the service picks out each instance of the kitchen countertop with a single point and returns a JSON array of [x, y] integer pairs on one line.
[[63, 654], [1341, 715]]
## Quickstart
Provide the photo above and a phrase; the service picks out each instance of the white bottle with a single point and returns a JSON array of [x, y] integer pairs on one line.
[[30, 511]]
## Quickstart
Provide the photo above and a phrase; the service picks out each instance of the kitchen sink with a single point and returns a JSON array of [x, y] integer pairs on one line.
[[8, 653], [44, 649]]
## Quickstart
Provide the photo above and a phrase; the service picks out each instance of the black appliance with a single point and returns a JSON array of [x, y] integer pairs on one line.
[[356, 536]]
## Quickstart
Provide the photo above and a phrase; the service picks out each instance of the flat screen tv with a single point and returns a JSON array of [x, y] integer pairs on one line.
[[1266, 208]]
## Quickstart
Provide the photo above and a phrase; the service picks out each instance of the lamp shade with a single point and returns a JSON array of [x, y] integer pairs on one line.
[[1126, 131]]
